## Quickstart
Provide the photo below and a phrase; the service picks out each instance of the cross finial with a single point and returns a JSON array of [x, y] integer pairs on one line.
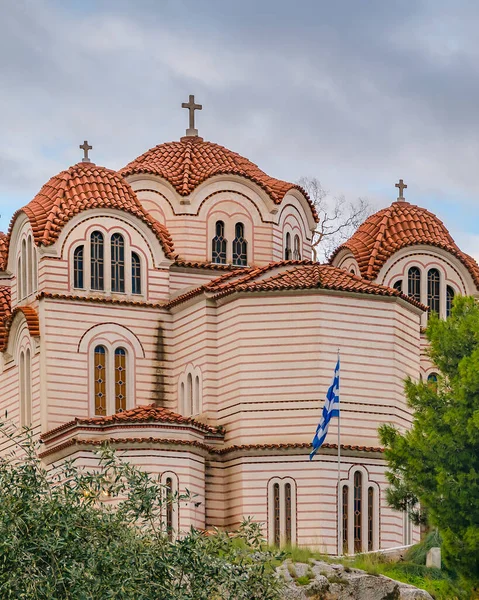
[[85, 147], [191, 106], [402, 186]]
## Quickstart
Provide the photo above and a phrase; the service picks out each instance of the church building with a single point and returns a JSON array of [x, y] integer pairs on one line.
[[172, 309]]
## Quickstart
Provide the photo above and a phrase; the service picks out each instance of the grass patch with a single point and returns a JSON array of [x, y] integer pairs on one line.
[[303, 580]]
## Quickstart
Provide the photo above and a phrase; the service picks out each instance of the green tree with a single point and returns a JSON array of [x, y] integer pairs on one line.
[[437, 461], [67, 533]]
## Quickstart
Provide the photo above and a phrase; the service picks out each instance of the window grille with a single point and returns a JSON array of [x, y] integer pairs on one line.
[[345, 520], [240, 258], [117, 263], [218, 254], [433, 290], [370, 518], [414, 283], [78, 270], [135, 273], [297, 248], [120, 380], [97, 261], [449, 300], [357, 511], [100, 381], [287, 499], [277, 515], [169, 508]]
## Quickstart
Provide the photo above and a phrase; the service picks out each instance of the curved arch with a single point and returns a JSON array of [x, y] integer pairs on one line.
[[111, 328], [21, 317]]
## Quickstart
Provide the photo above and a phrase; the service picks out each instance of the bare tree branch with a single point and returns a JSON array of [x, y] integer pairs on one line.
[[338, 219]]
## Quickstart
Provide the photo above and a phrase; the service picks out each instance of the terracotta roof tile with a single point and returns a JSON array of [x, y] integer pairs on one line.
[[188, 163], [5, 313], [140, 414], [294, 275], [81, 187], [396, 227]]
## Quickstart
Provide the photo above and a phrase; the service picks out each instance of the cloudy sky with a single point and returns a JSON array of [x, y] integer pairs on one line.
[[356, 93]]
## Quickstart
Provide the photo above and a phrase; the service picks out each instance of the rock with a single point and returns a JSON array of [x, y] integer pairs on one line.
[[433, 558]]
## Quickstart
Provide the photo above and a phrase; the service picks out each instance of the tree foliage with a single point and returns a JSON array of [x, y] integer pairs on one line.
[[338, 219], [437, 461], [71, 534]]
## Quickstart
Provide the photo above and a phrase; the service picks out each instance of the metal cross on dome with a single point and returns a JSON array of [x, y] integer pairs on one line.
[[402, 186], [191, 106], [85, 147]]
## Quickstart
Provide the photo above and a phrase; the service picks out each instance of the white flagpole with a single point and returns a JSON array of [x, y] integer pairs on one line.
[[340, 540]]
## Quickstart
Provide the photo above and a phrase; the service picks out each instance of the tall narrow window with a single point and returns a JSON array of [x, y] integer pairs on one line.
[[414, 283], [240, 247], [21, 376], [34, 268], [277, 515], [182, 399], [25, 376], [189, 395], [117, 263], [370, 518], [120, 380], [433, 287], [97, 261], [345, 521], [287, 503], [398, 285], [169, 508], [135, 273], [287, 247], [357, 511], [78, 269], [19, 279], [197, 402], [297, 248], [30, 266], [449, 300], [218, 251], [24, 269], [100, 381]]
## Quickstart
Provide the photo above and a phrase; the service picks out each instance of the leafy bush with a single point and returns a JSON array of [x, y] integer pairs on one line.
[[71, 534]]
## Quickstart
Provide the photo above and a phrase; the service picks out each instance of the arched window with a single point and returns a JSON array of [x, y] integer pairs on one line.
[[117, 263], [135, 273], [78, 268], [433, 290], [182, 398], [287, 503], [345, 521], [432, 381], [370, 518], [449, 300], [414, 283], [297, 248], [218, 253], [189, 395], [97, 261], [197, 402], [169, 508], [100, 380], [25, 377], [358, 490], [29, 266], [277, 515], [19, 279], [34, 267], [398, 285], [240, 246], [120, 380], [287, 247], [24, 269]]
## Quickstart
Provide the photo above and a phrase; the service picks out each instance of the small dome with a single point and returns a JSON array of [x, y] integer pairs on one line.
[[188, 163], [396, 227], [84, 186]]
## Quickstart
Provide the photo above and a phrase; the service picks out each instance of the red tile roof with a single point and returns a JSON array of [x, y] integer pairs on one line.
[[5, 313], [396, 227], [149, 413], [3, 249], [84, 186], [188, 163], [294, 275]]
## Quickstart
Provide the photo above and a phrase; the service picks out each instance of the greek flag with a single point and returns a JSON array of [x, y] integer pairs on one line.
[[330, 410]]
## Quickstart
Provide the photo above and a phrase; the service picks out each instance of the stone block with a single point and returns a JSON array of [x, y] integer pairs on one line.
[[433, 558]]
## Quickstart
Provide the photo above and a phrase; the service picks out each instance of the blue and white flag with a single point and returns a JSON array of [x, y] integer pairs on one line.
[[330, 410]]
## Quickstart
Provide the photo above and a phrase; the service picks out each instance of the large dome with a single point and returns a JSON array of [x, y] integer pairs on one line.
[[396, 227], [81, 187], [188, 163]]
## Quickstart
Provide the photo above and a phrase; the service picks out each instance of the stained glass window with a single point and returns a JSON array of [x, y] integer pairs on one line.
[[287, 248], [169, 508], [433, 290], [240, 246], [345, 499], [117, 263], [78, 268], [414, 283], [449, 300], [120, 380], [100, 381], [97, 261], [277, 515], [370, 518], [358, 486], [218, 254], [287, 498], [135, 273], [297, 248]]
